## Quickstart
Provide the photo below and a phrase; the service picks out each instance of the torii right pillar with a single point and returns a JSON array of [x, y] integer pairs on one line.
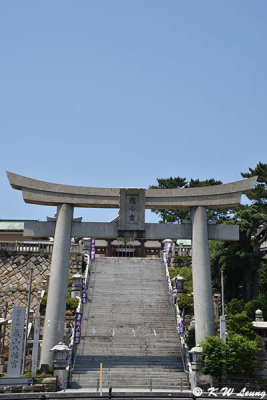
[[203, 304]]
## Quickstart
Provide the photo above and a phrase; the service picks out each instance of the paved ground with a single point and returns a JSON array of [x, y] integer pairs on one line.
[[128, 326]]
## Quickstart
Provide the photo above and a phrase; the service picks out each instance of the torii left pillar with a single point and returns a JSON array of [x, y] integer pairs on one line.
[[203, 304], [58, 284]]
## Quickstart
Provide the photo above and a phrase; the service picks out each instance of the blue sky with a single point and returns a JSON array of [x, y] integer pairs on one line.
[[115, 93]]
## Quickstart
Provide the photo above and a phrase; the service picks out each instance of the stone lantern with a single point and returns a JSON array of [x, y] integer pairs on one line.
[[179, 283], [85, 245], [259, 315], [76, 285], [60, 362]]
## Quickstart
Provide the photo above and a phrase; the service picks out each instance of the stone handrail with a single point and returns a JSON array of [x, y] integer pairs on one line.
[[72, 346], [176, 313]]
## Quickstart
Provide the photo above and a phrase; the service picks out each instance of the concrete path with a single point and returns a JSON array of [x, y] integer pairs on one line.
[[128, 326]]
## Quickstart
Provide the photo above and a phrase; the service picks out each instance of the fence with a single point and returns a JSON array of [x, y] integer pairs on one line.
[[33, 247]]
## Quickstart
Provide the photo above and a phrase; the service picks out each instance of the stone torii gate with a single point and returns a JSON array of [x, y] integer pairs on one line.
[[132, 203]]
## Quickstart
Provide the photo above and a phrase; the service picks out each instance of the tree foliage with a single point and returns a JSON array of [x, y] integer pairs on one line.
[[214, 353], [240, 324], [185, 299], [235, 358], [237, 306], [259, 302], [244, 265], [171, 216]]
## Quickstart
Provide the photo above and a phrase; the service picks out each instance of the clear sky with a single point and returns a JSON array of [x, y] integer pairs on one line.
[[115, 93]]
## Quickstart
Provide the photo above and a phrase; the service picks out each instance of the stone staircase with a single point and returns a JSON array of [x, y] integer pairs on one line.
[[128, 326]]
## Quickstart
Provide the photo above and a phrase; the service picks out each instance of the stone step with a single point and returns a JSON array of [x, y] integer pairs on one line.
[[128, 325]]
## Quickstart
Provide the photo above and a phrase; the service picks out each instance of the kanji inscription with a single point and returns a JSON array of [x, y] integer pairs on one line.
[[16, 342]]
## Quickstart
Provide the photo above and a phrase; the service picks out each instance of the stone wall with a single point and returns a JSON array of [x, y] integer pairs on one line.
[[15, 276]]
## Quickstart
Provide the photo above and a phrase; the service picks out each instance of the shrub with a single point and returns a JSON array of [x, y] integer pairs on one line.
[[186, 302], [72, 303], [43, 303], [235, 358], [240, 356], [183, 261], [214, 351]]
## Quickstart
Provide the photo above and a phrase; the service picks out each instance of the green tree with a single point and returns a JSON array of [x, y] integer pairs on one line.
[[240, 324], [170, 216], [260, 302], [244, 265], [228, 257], [243, 262]]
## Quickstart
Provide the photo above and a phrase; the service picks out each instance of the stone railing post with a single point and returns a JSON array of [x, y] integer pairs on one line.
[[196, 366], [203, 302], [58, 285]]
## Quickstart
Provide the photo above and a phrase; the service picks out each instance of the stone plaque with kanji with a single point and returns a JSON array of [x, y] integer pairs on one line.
[[132, 210], [16, 342]]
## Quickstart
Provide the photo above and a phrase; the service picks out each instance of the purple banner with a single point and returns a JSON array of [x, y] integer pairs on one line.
[[176, 283], [181, 326], [175, 296], [167, 248], [92, 249], [78, 325], [84, 292]]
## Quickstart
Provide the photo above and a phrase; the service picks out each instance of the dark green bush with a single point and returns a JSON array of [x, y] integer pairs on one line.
[[259, 302], [190, 339], [186, 302], [235, 306]]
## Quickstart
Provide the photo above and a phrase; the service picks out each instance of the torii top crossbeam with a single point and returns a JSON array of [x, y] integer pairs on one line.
[[53, 194]]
